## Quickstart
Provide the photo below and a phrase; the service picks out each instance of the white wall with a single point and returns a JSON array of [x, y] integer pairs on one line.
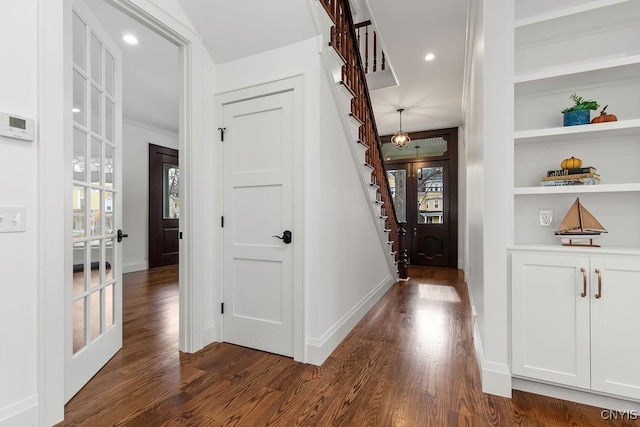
[[474, 144], [210, 258], [462, 199], [488, 125], [135, 197], [18, 263], [351, 264]]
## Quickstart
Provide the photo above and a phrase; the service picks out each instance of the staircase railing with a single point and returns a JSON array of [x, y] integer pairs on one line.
[[344, 40], [373, 51]]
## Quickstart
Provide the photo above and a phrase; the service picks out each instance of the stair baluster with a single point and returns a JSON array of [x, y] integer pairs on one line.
[[365, 49]]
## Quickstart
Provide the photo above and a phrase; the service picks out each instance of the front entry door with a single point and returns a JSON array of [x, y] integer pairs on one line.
[[428, 213], [164, 206], [258, 211], [424, 186], [93, 308]]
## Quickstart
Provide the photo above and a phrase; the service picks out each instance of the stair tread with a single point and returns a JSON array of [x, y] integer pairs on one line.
[[337, 52], [343, 85], [356, 118], [362, 145]]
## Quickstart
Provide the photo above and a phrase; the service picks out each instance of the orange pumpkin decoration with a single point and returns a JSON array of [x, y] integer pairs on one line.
[[571, 163], [604, 117]]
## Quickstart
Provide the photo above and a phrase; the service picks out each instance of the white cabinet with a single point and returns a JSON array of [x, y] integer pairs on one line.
[[591, 48], [549, 318], [615, 320], [575, 319]]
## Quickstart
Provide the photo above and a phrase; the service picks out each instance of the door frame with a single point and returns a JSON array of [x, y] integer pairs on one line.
[[54, 111], [451, 156], [295, 84]]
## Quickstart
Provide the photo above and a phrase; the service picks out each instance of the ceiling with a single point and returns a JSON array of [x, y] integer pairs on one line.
[[430, 92], [150, 70]]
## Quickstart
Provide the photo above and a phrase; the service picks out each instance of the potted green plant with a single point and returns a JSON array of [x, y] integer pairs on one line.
[[580, 112]]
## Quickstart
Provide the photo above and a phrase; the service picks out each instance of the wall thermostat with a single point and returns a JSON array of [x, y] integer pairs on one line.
[[16, 127]]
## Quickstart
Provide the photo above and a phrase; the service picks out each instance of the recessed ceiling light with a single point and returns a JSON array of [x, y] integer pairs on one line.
[[429, 57], [75, 110], [130, 38]]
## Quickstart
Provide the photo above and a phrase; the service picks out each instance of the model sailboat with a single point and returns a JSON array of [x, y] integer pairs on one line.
[[580, 223]]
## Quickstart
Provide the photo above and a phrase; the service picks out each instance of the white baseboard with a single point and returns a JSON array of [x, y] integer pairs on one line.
[[134, 266], [209, 335], [318, 349], [20, 414], [495, 377], [580, 396]]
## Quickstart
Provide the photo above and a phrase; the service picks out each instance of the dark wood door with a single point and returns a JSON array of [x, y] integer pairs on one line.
[[428, 211], [164, 206], [424, 184]]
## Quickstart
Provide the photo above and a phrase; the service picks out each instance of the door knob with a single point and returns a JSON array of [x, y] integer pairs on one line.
[[286, 237], [121, 236]]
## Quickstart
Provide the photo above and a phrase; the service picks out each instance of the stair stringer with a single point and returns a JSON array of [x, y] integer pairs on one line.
[[333, 63]]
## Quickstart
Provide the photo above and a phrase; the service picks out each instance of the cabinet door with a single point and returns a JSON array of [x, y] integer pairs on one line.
[[550, 318], [615, 319]]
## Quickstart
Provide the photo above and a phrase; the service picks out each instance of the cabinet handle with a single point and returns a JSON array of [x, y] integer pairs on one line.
[[599, 273], [584, 282]]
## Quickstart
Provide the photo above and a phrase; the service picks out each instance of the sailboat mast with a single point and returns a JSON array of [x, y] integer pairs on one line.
[[580, 214]]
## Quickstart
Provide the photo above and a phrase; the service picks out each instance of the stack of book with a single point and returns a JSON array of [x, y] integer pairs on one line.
[[580, 176]]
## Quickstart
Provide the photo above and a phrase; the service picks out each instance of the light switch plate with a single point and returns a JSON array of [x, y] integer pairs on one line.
[[12, 219], [545, 217]]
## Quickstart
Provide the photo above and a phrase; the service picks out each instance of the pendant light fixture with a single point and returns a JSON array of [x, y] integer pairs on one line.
[[400, 138]]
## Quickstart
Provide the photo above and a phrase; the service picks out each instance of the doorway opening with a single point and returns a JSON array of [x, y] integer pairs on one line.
[[55, 208], [111, 134]]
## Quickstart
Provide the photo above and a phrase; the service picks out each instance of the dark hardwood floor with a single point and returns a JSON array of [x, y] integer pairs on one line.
[[409, 362]]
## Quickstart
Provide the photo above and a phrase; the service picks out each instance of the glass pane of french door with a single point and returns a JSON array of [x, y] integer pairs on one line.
[[94, 187]]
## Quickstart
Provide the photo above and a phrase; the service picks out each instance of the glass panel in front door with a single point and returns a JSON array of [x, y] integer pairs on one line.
[[398, 184], [171, 197], [430, 191]]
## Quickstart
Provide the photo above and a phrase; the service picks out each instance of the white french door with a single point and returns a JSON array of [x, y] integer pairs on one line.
[[258, 205], [93, 311]]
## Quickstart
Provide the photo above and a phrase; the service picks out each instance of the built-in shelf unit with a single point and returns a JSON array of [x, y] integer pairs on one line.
[[590, 48], [572, 306]]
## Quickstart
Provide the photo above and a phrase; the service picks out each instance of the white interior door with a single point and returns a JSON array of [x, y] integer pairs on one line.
[[94, 292], [258, 205]]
